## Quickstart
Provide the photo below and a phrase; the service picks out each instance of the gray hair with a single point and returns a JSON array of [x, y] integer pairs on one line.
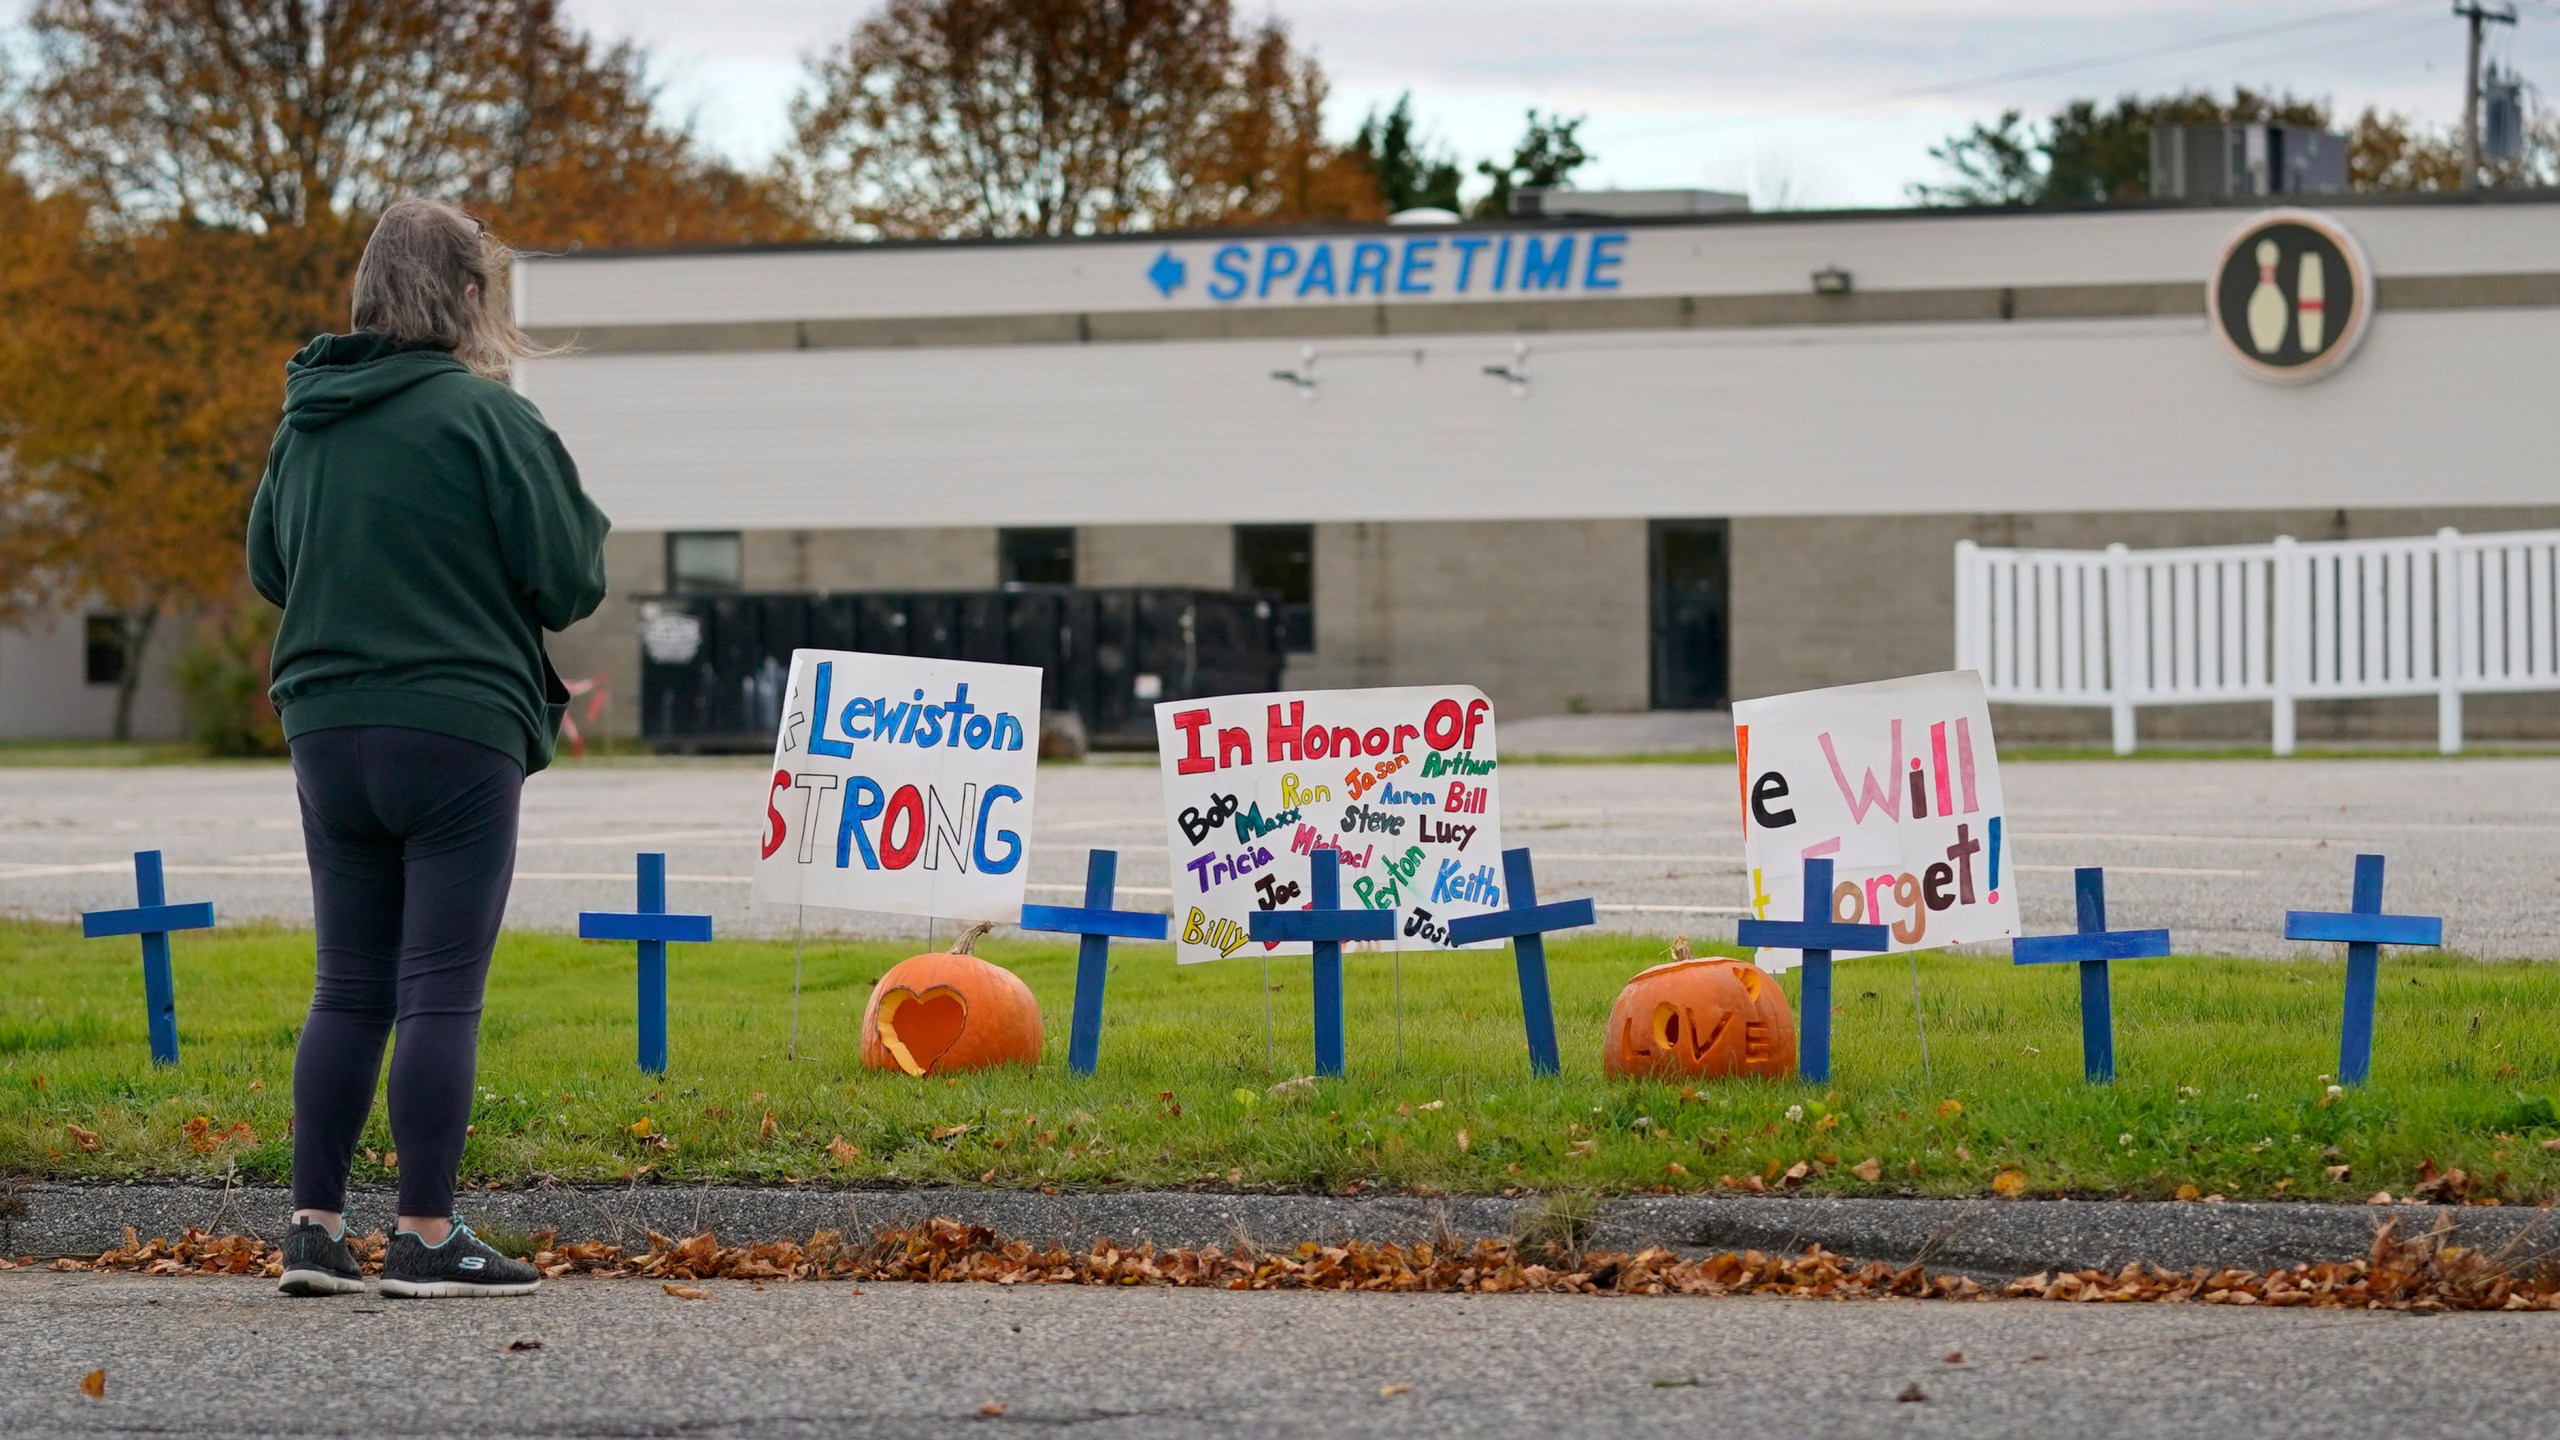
[[432, 275]]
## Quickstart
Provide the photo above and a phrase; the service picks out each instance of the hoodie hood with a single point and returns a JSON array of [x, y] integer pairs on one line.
[[335, 376]]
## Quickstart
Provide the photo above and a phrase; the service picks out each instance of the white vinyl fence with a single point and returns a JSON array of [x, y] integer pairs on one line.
[[2286, 622]]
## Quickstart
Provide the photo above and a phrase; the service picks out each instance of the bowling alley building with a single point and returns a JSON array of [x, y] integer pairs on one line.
[[1596, 463]]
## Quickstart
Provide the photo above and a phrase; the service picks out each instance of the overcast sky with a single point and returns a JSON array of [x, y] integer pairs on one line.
[[1827, 102], [1822, 102]]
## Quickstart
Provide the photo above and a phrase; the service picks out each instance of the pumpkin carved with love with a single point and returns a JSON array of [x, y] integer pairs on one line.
[[936, 1013], [1708, 1017]]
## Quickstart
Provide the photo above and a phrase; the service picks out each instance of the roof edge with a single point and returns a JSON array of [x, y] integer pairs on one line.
[[2424, 200]]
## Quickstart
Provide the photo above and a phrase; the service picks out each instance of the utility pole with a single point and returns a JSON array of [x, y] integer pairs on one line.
[[2480, 15]]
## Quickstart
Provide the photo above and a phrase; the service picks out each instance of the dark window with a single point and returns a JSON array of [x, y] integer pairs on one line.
[[706, 560], [1689, 615], [104, 637], [1036, 557], [1282, 559]]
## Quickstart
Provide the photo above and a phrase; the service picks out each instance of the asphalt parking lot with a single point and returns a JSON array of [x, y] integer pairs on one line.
[[619, 1357], [2216, 850]]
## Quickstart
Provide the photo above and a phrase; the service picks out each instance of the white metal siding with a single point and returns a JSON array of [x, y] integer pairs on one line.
[[2440, 408]]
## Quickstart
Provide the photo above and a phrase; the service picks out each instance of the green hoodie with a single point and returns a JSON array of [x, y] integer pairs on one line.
[[421, 526]]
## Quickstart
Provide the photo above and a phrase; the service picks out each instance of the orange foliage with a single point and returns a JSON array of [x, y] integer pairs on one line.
[[1064, 117], [208, 175]]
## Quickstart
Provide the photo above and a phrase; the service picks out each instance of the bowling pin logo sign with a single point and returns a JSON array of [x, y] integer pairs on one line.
[[2290, 296]]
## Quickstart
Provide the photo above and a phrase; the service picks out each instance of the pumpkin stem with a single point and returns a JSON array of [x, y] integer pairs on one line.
[[1680, 948], [966, 944]]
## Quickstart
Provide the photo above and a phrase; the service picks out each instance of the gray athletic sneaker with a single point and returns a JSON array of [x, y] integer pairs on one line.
[[318, 1263], [463, 1265]]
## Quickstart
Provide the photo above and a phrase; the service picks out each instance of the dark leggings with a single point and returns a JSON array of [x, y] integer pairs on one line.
[[412, 841]]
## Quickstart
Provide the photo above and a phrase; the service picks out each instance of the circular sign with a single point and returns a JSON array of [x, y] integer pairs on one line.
[[2290, 295]]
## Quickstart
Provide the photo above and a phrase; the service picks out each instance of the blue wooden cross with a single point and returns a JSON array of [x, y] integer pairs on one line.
[[2093, 947], [1097, 922], [2365, 929], [653, 927], [1327, 925], [153, 920], [1525, 924], [1817, 939]]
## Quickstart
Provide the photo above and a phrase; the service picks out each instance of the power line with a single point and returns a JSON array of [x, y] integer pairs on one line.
[[2420, 26], [2037, 72]]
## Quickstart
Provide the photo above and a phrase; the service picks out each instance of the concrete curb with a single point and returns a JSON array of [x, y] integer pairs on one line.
[[1988, 1238]]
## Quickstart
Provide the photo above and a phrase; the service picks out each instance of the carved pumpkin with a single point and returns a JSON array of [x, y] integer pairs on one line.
[[941, 1012], [1701, 1017]]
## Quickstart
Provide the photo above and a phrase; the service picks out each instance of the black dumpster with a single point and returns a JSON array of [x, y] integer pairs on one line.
[[714, 666]]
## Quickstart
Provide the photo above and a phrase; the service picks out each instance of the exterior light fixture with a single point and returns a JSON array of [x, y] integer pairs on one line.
[[1517, 372], [1304, 377], [1831, 280]]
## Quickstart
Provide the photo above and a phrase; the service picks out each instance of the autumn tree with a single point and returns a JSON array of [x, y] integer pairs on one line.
[[139, 383], [2391, 152], [1063, 117], [205, 173], [1267, 160]]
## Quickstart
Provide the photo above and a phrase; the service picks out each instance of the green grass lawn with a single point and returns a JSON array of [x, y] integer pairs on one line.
[[2224, 1066]]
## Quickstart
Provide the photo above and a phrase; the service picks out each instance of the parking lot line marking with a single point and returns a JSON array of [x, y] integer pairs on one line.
[[2134, 870], [2097, 835]]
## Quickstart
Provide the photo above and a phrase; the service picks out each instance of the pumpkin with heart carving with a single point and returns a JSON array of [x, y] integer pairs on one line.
[[949, 1011], [1710, 1017]]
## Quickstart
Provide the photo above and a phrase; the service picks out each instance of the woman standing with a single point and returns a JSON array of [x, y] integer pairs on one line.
[[421, 527]]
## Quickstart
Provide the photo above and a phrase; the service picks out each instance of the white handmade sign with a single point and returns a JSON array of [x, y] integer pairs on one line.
[[901, 784], [1400, 783], [1898, 784]]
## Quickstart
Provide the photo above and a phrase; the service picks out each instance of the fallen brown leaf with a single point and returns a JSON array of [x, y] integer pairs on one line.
[[87, 1139], [992, 1409], [2424, 1273], [1386, 1390], [768, 1129], [2012, 1183], [1870, 1170], [844, 1153], [94, 1384]]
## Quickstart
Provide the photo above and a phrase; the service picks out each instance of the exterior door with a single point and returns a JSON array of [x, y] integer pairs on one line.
[[1689, 570]]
